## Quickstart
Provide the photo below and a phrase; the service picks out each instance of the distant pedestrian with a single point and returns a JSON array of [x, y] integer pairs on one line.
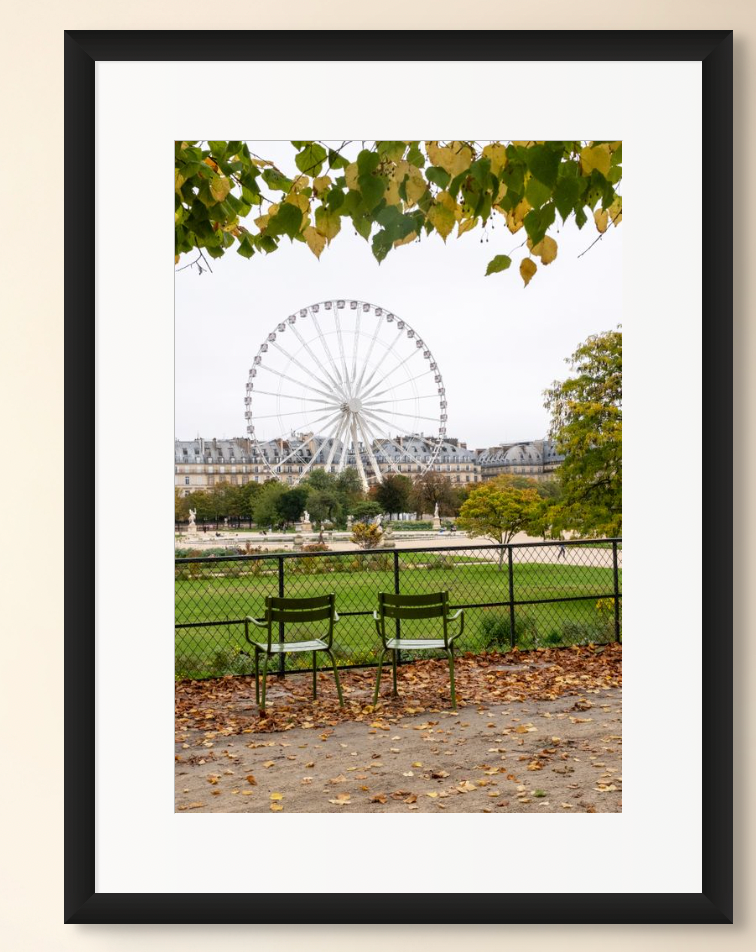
[[562, 553]]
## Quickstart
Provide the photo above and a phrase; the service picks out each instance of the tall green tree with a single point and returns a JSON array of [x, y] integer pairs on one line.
[[325, 505], [498, 510], [291, 504], [586, 423], [392, 193], [431, 488], [393, 494], [265, 508]]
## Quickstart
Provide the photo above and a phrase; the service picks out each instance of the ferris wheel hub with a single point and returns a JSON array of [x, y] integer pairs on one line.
[[354, 405]]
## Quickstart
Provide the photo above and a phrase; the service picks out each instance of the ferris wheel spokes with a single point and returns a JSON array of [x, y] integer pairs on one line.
[[318, 363], [324, 345], [342, 393]]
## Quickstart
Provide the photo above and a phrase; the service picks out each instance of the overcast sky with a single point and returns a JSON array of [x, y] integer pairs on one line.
[[497, 343]]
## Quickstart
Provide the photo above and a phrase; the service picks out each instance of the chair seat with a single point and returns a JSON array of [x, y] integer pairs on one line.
[[412, 644], [287, 646]]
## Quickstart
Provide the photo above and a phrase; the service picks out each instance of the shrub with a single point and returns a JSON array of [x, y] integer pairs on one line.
[[496, 630], [366, 536], [583, 632]]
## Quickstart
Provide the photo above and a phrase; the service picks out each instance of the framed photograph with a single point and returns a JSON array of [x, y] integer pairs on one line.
[[376, 431]]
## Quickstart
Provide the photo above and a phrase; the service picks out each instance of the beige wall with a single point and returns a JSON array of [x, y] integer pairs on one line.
[[31, 382]]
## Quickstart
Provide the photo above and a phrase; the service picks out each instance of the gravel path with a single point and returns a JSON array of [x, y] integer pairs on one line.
[[552, 756]]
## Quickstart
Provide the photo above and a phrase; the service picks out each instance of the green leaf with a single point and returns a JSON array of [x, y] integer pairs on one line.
[[499, 263], [367, 162], [543, 163], [217, 148], [537, 193], [310, 160], [566, 196], [337, 161], [246, 248], [286, 221], [438, 176], [276, 181], [415, 156], [335, 198], [481, 172], [372, 188], [392, 150], [382, 244], [362, 224]]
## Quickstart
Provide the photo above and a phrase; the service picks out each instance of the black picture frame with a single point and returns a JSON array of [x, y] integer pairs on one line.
[[714, 49]]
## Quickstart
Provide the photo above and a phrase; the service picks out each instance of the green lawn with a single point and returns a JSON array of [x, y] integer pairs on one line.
[[227, 591]]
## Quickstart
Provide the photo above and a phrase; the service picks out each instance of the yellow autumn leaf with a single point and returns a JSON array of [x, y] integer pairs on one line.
[[497, 153], [596, 157], [179, 180], [262, 222], [453, 158], [391, 194], [276, 807], [521, 210], [301, 202], [466, 225], [512, 224], [350, 174], [528, 268], [315, 241], [300, 182], [320, 184], [220, 187], [276, 796], [546, 249], [601, 217], [328, 223], [176, 260], [442, 220], [615, 210], [415, 187], [445, 199]]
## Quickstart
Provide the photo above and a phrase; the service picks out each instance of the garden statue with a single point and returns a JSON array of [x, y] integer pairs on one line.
[[192, 517], [305, 516], [435, 512]]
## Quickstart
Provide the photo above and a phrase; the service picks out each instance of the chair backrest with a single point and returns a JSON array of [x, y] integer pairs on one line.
[[280, 612], [411, 608], [431, 605]]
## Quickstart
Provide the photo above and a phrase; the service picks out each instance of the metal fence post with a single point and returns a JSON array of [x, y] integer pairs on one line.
[[512, 636], [397, 623], [616, 592], [281, 657]]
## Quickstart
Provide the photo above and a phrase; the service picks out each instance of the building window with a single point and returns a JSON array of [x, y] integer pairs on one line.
[[186, 480]]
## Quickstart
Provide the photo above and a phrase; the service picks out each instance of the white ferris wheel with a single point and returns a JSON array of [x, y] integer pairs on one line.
[[345, 383]]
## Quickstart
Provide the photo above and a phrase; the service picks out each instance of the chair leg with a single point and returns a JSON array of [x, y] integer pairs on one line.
[[315, 674], [264, 679], [393, 665], [378, 678], [257, 675], [336, 678], [450, 653]]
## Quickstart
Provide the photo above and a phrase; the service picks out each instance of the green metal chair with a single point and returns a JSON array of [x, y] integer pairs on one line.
[[396, 608], [280, 612]]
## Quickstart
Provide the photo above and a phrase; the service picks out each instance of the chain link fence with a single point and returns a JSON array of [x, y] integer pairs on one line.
[[528, 595]]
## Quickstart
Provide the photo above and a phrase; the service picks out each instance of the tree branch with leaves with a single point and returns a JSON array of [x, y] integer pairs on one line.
[[392, 193]]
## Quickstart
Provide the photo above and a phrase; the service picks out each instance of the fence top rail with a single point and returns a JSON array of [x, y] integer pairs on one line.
[[258, 556]]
